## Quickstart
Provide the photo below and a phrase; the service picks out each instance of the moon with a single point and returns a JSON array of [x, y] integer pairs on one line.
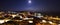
[[29, 1]]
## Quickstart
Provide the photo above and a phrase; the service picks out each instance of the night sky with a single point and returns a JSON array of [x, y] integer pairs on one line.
[[48, 6]]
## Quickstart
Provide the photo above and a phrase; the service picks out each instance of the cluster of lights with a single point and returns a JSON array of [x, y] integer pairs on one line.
[[44, 21], [39, 15], [2, 21], [27, 18]]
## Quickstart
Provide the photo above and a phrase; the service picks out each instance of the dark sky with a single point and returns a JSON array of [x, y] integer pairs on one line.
[[36, 5]]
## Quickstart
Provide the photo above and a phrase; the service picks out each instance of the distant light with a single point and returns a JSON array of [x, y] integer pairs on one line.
[[13, 16], [29, 1], [7, 20], [30, 18], [26, 18], [58, 24], [39, 14], [21, 17], [50, 22], [44, 21], [30, 21], [1, 21]]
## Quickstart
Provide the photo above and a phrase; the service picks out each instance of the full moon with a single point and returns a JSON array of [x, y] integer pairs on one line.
[[29, 1]]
